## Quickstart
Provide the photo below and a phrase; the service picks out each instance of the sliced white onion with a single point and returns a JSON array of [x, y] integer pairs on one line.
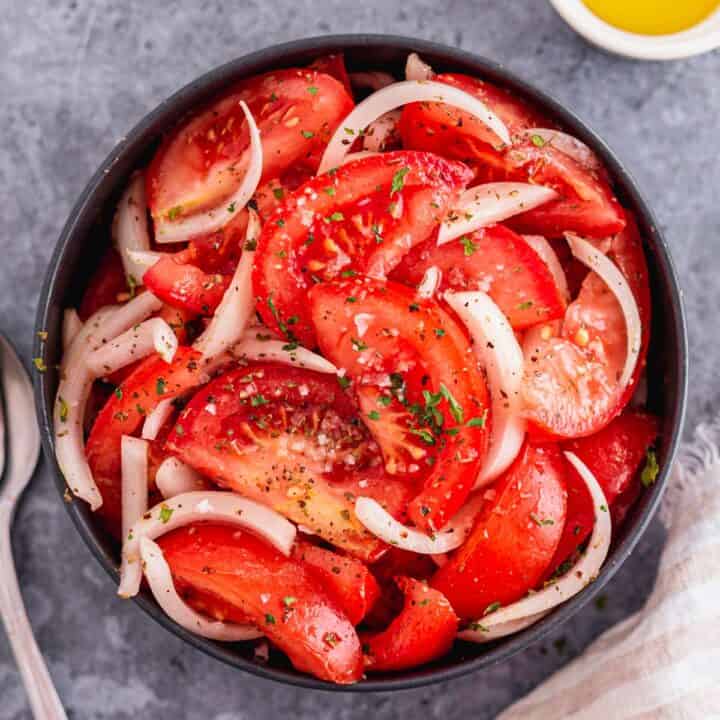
[[280, 351], [545, 250], [156, 419], [210, 506], [490, 203], [430, 283], [174, 477], [145, 338], [75, 382], [376, 136], [359, 155], [395, 96], [168, 231], [72, 325], [606, 269], [237, 306], [416, 69], [134, 492], [372, 80], [383, 525], [159, 577], [481, 633], [571, 583], [499, 352], [568, 144], [144, 260], [130, 226]]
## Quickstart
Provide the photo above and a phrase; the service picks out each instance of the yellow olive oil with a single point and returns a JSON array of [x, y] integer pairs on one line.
[[652, 17]]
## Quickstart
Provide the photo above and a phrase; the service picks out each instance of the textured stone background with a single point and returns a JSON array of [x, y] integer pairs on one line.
[[74, 76]]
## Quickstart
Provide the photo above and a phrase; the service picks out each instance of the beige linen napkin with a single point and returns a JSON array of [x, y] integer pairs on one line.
[[664, 662]]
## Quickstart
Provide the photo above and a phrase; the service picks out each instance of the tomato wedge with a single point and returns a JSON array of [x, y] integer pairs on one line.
[[347, 580], [429, 396], [496, 261], [204, 160], [281, 435], [614, 455], [586, 205], [423, 631], [333, 65], [361, 218], [123, 414], [106, 283], [514, 538], [277, 594], [571, 382]]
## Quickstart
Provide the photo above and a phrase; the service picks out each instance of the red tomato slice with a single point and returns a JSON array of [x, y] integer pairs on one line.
[[514, 538], [106, 283], [186, 286], [496, 261], [571, 382], [333, 65], [123, 414], [361, 218], [280, 435], [417, 357], [347, 580], [586, 205], [423, 631], [204, 160], [614, 455], [277, 594]]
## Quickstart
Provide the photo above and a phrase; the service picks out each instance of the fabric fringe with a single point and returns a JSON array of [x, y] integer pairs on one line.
[[692, 464]]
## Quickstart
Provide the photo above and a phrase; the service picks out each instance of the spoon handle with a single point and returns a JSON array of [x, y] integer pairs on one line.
[[41, 692]]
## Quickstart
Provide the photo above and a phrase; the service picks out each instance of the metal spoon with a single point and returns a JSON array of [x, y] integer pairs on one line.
[[17, 463]]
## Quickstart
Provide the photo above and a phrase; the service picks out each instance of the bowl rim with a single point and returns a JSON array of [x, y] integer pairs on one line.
[[695, 40], [319, 45]]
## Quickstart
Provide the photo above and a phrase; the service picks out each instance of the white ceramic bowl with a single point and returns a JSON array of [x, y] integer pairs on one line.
[[699, 39]]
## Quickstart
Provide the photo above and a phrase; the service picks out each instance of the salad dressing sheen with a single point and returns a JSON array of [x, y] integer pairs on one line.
[[652, 17]]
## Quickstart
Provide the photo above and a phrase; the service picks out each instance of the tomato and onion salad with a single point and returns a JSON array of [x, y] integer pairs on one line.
[[355, 377]]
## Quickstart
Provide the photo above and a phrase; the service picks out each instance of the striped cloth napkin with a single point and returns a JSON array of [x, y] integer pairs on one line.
[[664, 662]]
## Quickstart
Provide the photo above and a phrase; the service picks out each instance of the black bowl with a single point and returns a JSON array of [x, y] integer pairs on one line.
[[86, 234]]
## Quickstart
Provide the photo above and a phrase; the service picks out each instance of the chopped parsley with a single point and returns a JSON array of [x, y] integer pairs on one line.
[[468, 245], [118, 393], [439, 332], [312, 90], [289, 601], [257, 400], [650, 471], [160, 386], [374, 415], [337, 216], [165, 514], [231, 207], [348, 273], [525, 305], [491, 608], [64, 409], [329, 190], [307, 134], [343, 381], [269, 619], [174, 212], [537, 141], [398, 181], [39, 364], [358, 345], [278, 192], [478, 421], [455, 408]]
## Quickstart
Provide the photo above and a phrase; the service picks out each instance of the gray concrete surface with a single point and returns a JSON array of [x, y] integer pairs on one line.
[[74, 76]]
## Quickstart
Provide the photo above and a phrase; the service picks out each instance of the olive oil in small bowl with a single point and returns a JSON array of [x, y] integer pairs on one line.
[[646, 29]]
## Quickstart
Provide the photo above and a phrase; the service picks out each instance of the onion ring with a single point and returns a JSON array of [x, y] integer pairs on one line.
[[130, 226], [170, 231], [156, 419], [153, 335], [216, 506], [567, 144], [608, 272], [383, 525], [490, 203], [430, 283], [75, 382], [134, 491], [72, 325], [416, 69], [237, 306], [174, 477], [499, 352], [395, 96], [281, 351], [519, 614], [159, 577]]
